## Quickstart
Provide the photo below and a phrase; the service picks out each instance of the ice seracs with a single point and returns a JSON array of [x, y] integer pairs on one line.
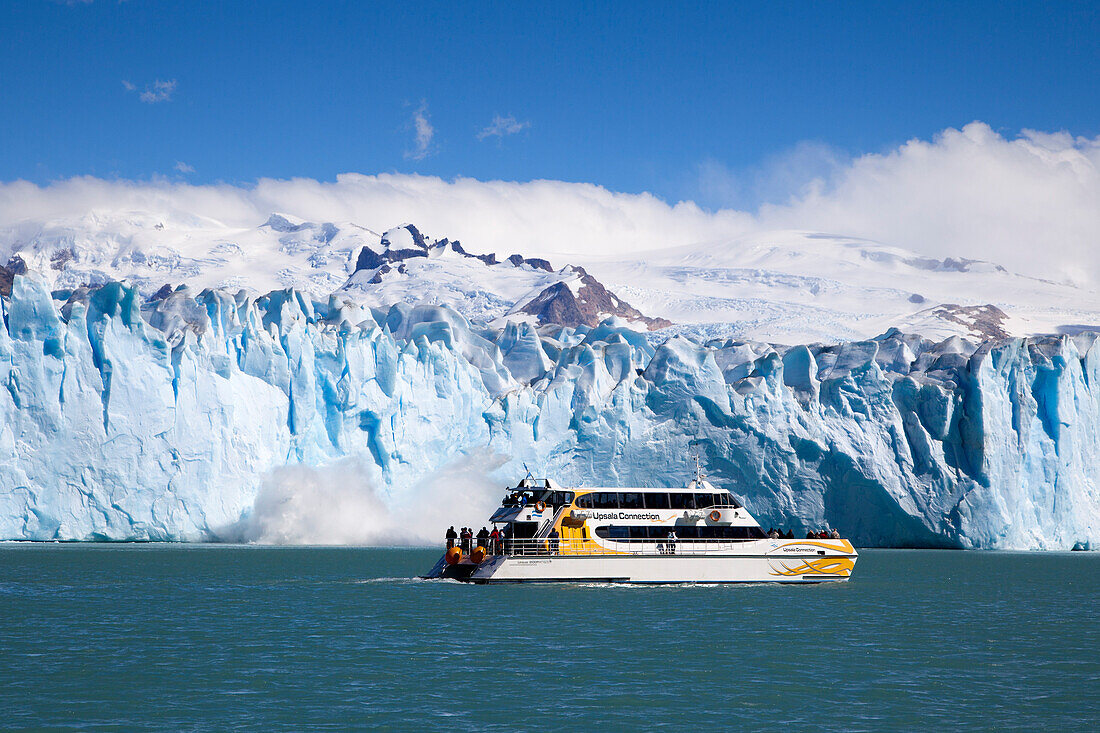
[[128, 418]]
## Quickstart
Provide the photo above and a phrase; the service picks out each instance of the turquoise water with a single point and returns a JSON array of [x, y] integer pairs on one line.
[[215, 638]]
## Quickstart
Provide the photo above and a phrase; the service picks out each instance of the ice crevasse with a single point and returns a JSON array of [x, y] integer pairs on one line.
[[125, 419]]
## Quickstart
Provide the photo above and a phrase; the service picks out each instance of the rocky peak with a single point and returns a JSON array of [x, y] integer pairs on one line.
[[571, 299], [15, 266], [583, 300], [406, 241]]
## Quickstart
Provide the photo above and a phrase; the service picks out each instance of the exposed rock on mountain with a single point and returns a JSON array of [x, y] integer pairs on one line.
[[572, 298], [15, 266], [976, 323], [582, 300]]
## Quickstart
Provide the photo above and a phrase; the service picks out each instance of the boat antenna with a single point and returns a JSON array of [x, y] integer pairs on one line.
[[699, 475]]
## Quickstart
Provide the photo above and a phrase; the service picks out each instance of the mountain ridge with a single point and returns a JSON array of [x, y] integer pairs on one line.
[[782, 287]]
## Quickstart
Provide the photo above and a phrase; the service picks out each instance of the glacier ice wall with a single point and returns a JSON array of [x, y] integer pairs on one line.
[[124, 419]]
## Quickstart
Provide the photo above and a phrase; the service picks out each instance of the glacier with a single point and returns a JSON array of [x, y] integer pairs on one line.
[[123, 418]]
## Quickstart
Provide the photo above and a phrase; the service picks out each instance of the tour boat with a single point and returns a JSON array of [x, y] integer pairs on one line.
[[697, 534]]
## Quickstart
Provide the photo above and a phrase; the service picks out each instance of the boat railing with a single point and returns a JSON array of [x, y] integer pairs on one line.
[[572, 546]]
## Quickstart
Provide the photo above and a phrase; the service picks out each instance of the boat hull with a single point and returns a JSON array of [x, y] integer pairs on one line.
[[767, 561]]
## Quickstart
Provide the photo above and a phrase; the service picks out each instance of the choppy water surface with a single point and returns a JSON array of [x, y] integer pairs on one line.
[[212, 638]]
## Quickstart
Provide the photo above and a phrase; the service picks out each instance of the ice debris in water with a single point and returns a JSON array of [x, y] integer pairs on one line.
[[129, 419]]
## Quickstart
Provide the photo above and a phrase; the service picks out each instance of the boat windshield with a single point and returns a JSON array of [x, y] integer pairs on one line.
[[528, 497]]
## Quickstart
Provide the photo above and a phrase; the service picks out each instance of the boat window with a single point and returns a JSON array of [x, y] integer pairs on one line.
[[683, 532], [687, 501], [616, 532], [656, 501], [558, 498], [704, 501], [585, 501], [606, 500], [631, 500], [679, 500]]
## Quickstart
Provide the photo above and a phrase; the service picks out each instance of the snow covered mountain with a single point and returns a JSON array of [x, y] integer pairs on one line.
[[800, 287], [783, 287], [406, 267], [125, 418], [401, 265]]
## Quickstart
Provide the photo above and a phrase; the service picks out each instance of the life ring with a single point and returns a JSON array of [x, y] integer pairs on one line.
[[540, 505], [715, 515]]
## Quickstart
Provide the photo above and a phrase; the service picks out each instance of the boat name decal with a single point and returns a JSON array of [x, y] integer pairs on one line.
[[624, 515]]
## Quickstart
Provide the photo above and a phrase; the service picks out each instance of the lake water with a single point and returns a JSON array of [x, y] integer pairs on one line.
[[214, 638]]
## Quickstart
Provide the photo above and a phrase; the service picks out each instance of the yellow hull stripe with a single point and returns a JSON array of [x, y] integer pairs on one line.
[[817, 566]]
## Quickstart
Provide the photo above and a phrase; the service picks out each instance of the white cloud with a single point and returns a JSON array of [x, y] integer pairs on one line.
[[183, 167], [782, 177], [503, 126], [424, 132], [158, 91], [1031, 203]]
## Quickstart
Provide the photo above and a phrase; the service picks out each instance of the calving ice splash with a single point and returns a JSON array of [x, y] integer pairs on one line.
[[697, 534]]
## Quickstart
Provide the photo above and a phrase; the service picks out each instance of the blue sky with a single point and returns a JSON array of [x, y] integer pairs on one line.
[[703, 101]]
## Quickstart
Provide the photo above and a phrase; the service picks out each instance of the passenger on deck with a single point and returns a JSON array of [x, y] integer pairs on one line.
[[811, 535], [466, 536], [835, 535], [773, 534], [789, 535], [451, 537], [823, 535], [670, 543], [554, 541], [494, 541], [522, 501], [483, 538]]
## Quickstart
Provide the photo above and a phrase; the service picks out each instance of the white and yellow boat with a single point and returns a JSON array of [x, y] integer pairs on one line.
[[697, 534]]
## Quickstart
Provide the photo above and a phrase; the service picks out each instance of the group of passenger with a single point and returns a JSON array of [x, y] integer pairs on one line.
[[825, 534], [493, 541], [516, 498]]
